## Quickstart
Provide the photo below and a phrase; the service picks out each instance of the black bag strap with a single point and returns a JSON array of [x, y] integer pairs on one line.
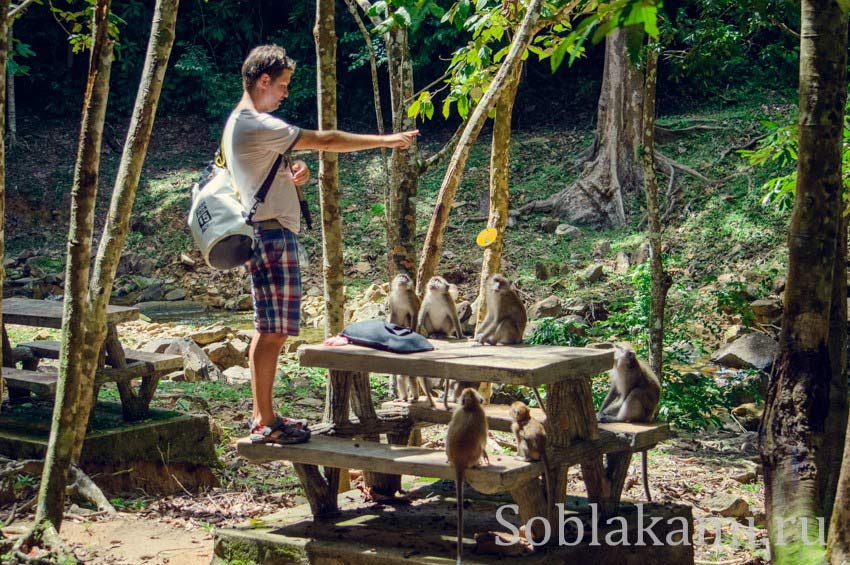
[[221, 161]]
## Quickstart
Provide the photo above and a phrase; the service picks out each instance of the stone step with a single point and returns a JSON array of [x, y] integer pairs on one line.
[[158, 362], [503, 474], [38, 382], [637, 436]]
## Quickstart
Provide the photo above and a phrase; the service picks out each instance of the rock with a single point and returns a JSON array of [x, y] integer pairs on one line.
[[567, 231], [377, 292], [246, 335], [467, 324], [549, 225], [131, 263], [314, 291], [743, 388], [576, 325], [225, 355], [241, 303], [187, 262], [369, 311], [153, 293], [753, 351], [745, 478], [592, 274], [464, 311], [778, 284], [733, 332], [196, 365], [749, 415], [642, 253], [210, 334], [623, 263], [236, 375], [767, 310], [578, 308], [363, 267], [602, 248], [313, 402], [727, 505], [35, 266], [547, 308], [42, 335], [241, 346], [159, 345], [292, 345], [175, 294], [161, 309]]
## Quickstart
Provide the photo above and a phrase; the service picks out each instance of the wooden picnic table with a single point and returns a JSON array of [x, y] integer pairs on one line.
[[116, 364], [573, 433]]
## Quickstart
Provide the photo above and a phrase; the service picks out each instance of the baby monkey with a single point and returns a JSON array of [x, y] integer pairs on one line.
[[634, 396], [531, 441], [466, 443]]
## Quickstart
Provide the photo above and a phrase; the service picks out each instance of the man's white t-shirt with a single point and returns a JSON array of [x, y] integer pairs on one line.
[[252, 142]]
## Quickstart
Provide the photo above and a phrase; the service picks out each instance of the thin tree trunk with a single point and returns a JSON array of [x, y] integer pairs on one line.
[[660, 279], [324, 34], [63, 431], [500, 168], [4, 52], [612, 169], [433, 241], [404, 172], [121, 206], [10, 92], [793, 452]]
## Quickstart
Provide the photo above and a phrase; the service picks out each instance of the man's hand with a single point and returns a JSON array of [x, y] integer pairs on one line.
[[401, 140], [300, 173]]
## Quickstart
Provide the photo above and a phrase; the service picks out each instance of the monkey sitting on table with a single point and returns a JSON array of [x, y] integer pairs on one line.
[[404, 311], [438, 317], [634, 396], [466, 445]]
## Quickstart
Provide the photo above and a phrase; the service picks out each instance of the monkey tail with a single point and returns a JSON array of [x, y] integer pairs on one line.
[[550, 494], [459, 496], [644, 467]]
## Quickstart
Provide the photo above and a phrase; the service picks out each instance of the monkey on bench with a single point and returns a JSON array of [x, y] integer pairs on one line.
[[633, 397]]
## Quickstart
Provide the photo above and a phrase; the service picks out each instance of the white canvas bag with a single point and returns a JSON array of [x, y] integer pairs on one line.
[[220, 225]]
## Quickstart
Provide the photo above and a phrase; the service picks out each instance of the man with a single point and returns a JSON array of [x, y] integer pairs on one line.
[[253, 140]]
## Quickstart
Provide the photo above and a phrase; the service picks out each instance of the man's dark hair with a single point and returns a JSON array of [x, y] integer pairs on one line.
[[268, 59]]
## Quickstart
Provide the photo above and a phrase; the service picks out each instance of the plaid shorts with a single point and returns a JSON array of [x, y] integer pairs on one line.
[[275, 281]]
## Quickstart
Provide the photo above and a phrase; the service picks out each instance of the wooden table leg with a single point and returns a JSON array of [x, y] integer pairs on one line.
[[321, 490], [361, 402]]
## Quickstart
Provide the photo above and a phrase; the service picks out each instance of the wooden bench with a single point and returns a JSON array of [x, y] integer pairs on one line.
[[22, 381], [632, 437], [153, 362]]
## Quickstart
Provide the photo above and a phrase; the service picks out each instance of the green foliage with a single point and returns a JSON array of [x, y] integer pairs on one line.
[[550, 331], [732, 299]]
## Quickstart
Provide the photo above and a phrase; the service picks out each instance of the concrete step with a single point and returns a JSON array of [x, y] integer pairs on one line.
[[503, 474]]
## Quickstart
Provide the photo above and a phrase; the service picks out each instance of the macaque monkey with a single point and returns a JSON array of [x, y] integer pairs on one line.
[[531, 442], [634, 396], [506, 318], [404, 311], [438, 317], [466, 446]]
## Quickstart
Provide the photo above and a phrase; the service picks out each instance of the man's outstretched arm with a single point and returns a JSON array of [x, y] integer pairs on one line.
[[344, 142]]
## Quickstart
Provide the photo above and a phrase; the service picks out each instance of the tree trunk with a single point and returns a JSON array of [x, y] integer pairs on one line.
[[404, 173], [793, 450], [660, 280], [61, 445], [121, 206], [500, 149], [10, 92], [433, 241], [324, 34], [613, 169], [4, 52]]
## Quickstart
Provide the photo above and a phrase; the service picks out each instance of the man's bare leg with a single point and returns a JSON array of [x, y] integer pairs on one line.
[[262, 358]]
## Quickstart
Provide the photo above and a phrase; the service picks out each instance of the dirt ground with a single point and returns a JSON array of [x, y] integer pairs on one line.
[[179, 529]]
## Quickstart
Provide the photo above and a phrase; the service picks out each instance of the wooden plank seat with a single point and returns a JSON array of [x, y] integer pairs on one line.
[[139, 363], [632, 437], [38, 382], [503, 474]]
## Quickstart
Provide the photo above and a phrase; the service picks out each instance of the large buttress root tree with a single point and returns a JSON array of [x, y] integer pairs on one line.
[[612, 169], [84, 318], [794, 446]]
